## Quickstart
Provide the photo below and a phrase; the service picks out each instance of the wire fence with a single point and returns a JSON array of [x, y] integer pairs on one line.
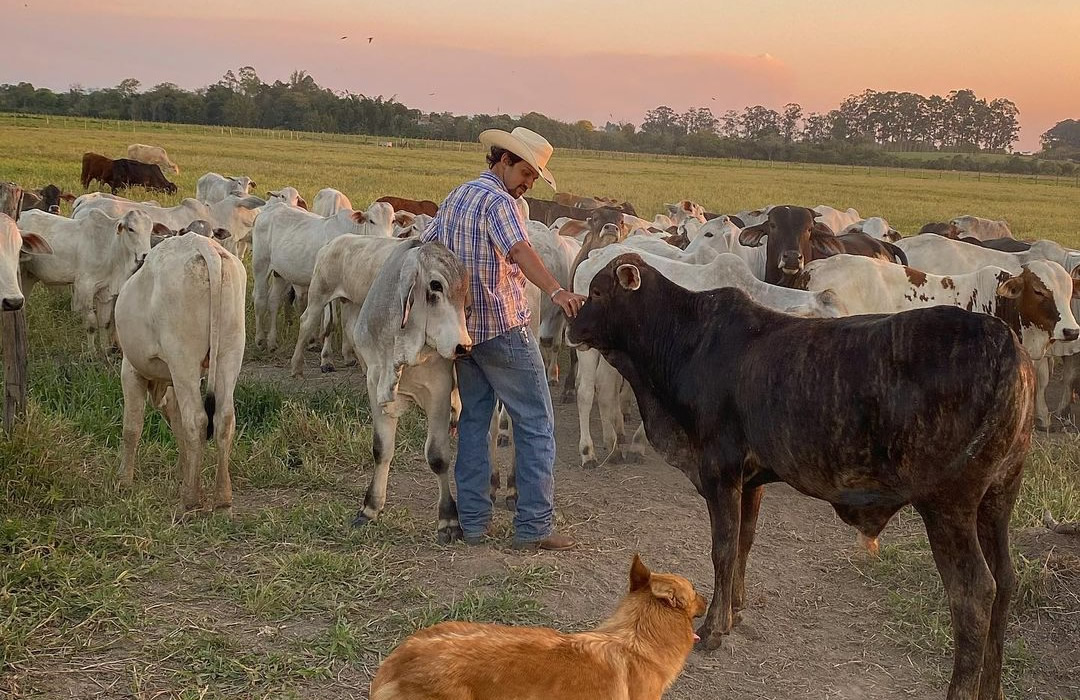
[[96, 124]]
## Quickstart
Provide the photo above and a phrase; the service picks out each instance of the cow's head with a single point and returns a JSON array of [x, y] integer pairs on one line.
[[433, 291], [612, 299], [788, 229], [14, 247], [134, 230], [1041, 295], [378, 220], [240, 185]]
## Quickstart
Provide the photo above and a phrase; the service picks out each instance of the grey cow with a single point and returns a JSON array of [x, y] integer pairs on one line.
[[408, 332]]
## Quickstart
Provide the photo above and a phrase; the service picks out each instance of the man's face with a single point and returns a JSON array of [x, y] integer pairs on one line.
[[518, 178]]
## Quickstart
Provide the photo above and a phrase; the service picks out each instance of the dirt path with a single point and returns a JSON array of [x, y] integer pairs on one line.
[[813, 627]]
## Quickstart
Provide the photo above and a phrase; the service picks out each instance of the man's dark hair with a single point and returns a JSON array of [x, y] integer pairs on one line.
[[496, 155]]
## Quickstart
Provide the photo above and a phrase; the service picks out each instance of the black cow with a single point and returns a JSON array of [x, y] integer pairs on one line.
[[941, 228], [932, 407], [128, 173], [1006, 245], [795, 239], [46, 199]]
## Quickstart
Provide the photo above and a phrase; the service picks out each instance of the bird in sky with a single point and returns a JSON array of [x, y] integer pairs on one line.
[[344, 37], [369, 39]]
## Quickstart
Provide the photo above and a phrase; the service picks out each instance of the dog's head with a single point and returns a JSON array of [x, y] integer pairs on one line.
[[671, 590]]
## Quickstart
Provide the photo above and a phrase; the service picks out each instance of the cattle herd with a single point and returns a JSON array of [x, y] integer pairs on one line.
[[786, 343]]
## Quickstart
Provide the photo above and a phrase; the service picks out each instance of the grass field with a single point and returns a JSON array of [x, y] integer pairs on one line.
[[102, 594]]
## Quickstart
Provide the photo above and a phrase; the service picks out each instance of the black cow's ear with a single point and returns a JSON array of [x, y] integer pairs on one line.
[[751, 235], [629, 276]]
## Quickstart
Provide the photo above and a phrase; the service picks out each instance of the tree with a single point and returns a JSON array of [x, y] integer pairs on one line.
[[699, 121], [128, 87], [662, 121], [790, 121]]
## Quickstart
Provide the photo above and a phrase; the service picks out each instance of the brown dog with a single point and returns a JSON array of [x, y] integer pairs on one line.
[[635, 655]]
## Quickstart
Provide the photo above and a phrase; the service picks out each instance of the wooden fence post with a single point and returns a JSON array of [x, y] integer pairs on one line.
[[13, 330]]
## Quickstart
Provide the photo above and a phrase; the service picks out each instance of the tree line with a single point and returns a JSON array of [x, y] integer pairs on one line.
[[870, 128]]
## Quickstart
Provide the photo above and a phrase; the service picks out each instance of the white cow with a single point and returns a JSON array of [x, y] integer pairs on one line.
[[945, 256], [155, 155], [408, 333], [286, 241], [232, 213], [90, 196], [685, 209], [721, 235], [345, 268], [558, 253], [329, 202], [213, 187], [753, 217], [94, 254], [834, 218], [875, 227], [289, 195], [179, 318], [407, 224], [596, 376], [15, 246], [980, 228]]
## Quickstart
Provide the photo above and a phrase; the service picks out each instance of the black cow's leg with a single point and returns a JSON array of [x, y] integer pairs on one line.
[[724, 501], [751, 504], [970, 589], [994, 513]]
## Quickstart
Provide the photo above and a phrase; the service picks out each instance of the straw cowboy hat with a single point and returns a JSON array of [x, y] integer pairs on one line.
[[529, 145]]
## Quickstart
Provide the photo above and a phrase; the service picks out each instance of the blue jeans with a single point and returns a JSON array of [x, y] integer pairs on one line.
[[508, 366]]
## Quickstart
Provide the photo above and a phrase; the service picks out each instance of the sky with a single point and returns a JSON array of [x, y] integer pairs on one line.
[[599, 60]]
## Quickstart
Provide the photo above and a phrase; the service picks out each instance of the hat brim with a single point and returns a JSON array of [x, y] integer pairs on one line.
[[503, 139]]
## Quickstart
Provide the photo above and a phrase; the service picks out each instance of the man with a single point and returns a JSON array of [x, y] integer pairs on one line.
[[482, 224]]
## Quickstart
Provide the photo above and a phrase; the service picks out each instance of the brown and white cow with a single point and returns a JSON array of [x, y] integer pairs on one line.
[[1034, 299], [794, 238]]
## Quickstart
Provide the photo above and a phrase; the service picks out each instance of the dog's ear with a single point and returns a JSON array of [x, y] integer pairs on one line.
[[664, 591], [639, 574]]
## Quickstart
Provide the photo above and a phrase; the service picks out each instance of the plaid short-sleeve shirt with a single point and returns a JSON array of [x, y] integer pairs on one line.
[[480, 222]]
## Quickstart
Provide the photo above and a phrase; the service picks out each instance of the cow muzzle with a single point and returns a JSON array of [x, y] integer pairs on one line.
[[1068, 334], [791, 262], [139, 260], [12, 303], [461, 350]]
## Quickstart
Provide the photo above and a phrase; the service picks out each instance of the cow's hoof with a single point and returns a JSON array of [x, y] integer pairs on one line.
[[361, 519], [502, 441], [260, 344], [589, 464], [511, 504], [708, 640], [350, 363], [224, 509], [328, 367], [448, 534], [631, 457], [569, 397]]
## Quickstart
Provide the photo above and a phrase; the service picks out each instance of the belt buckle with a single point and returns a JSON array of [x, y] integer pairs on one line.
[[524, 334]]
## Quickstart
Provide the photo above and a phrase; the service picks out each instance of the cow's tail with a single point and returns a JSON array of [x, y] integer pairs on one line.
[[209, 252], [897, 252]]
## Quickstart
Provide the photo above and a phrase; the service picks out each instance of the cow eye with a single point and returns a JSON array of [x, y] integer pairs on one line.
[[436, 286], [708, 235]]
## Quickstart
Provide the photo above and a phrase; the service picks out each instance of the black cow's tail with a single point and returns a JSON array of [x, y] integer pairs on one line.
[[897, 252]]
